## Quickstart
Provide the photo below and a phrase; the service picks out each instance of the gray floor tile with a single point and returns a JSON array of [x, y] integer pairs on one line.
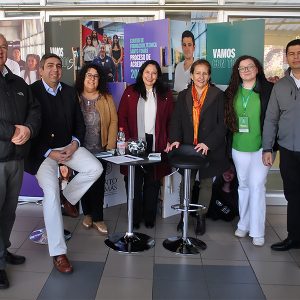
[[17, 238], [225, 250], [220, 262], [81, 284], [264, 253], [132, 266], [115, 288], [232, 291], [24, 285], [277, 220], [178, 272], [23, 223], [167, 289], [178, 260], [283, 273], [87, 243], [37, 260], [229, 274], [281, 292]]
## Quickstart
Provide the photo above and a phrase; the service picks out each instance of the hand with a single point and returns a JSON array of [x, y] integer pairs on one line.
[[201, 147], [69, 150], [267, 159], [170, 147], [58, 156], [21, 135]]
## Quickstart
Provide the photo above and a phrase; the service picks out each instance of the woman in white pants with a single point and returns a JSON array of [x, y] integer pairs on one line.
[[247, 99]]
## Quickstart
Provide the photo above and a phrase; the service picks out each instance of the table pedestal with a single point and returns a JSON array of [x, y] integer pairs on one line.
[[130, 242]]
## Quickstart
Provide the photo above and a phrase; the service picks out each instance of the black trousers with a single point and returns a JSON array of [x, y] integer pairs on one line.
[[290, 173], [92, 201], [146, 190]]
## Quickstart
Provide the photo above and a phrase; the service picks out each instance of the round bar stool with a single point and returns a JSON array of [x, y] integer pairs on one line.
[[185, 157]]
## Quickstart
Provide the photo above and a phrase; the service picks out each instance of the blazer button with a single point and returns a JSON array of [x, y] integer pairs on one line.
[[52, 135]]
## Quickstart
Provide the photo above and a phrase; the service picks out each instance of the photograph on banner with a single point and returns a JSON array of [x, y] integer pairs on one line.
[[103, 44], [25, 47], [145, 41], [178, 55], [274, 62], [228, 41]]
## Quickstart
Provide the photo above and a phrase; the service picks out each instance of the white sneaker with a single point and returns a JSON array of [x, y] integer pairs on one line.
[[240, 233], [258, 241]]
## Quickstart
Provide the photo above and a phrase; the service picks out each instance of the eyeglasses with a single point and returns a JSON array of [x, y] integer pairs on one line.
[[92, 76], [3, 47], [245, 69]]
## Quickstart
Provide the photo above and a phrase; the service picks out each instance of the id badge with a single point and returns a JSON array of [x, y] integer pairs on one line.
[[243, 124]]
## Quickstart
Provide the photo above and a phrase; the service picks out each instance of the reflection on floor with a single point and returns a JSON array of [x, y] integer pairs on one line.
[[230, 268]]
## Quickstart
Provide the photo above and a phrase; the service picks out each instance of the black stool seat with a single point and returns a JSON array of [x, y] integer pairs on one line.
[[186, 157]]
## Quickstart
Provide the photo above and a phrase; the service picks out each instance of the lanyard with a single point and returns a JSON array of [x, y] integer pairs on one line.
[[245, 100]]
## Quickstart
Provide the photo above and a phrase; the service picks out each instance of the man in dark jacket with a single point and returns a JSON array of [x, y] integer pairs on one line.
[[58, 142], [19, 122]]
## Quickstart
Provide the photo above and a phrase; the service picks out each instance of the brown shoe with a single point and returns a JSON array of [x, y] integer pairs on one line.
[[69, 209], [62, 264], [101, 227], [87, 221]]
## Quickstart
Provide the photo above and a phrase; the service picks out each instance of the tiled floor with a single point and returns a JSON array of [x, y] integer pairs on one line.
[[230, 268]]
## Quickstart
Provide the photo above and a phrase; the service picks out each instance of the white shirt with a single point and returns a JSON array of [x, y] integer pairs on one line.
[[13, 66], [182, 77], [150, 112], [297, 81]]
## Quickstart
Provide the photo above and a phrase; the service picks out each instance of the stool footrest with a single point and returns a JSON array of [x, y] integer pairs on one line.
[[191, 207]]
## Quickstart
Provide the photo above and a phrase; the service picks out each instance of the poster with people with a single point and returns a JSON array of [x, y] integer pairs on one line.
[[24, 47], [103, 44], [145, 41]]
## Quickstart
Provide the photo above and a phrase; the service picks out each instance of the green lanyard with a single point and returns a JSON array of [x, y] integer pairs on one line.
[[245, 100]]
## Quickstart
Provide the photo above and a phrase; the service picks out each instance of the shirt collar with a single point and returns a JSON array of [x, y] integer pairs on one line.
[[50, 90], [4, 71]]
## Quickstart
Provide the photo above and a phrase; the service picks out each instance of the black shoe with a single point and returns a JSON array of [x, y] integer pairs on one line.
[[286, 245], [136, 226], [149, 224], [180, 224], [201, 225], [4, 283], [14, 259]]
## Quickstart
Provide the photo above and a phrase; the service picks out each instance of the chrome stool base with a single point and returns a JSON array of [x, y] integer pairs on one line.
[[133, 243], [179, 245]]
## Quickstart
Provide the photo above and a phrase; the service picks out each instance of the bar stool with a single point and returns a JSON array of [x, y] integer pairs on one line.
[[185, 157]]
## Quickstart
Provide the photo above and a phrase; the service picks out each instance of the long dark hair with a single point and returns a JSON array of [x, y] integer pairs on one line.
[[102, 84], [27, 71], [117, 43], [235, 82], [159, 85]]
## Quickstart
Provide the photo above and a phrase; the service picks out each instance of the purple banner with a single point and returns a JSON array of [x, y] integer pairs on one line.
[[144, 41], [30, 187], [117, 89]]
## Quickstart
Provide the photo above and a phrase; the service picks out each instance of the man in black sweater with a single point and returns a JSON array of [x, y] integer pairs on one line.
[[58, 142]]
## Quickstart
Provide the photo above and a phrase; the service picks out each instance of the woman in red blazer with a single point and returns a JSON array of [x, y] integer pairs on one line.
[[144, 112]]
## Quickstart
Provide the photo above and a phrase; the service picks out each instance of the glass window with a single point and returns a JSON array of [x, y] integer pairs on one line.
[[278, 32]]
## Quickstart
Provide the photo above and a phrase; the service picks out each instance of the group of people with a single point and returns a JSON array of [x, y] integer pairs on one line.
[[67, 125], [28, 70], [107, 53]]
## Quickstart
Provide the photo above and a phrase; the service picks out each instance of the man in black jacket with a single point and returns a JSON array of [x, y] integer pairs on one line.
[[58, 142], [19, 122]]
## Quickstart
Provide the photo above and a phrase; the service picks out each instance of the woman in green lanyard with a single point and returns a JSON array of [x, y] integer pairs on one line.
[[247, 97]]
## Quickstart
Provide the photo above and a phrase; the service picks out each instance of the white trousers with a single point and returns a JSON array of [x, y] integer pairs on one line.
[[89, 170], [252, 175]]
